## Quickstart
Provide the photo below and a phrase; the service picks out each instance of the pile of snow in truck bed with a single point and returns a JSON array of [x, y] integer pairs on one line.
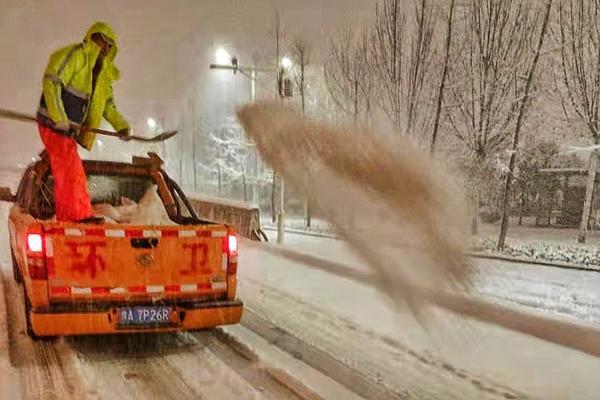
[[149, 211]]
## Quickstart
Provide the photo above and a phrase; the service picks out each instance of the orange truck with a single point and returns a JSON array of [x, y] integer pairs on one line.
[[120, 278]]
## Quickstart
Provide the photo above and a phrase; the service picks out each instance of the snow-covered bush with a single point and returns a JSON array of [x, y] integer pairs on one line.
[[570, 254]]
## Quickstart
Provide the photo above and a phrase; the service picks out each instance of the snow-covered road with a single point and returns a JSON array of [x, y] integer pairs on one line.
[[489, 359], [570, 293], [336, 324]]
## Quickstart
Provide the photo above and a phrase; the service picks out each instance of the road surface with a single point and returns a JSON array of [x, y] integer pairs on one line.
[[334, 323]]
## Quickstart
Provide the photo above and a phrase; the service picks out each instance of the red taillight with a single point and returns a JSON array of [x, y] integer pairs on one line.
[[36, 260], [34, 243], [233, 244], [232, 254]]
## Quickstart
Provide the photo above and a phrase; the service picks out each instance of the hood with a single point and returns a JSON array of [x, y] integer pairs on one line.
[[107, 32]]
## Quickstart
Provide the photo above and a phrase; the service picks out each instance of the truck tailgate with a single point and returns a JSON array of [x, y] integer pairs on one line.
[[123, 262]]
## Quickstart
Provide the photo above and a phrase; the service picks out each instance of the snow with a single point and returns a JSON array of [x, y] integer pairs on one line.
[[443, 356], [334, 313], [542, 244], [219, 200], [157, 366], [9, 384], [569, 254], [291, 371], [10, 179], [295, 223]]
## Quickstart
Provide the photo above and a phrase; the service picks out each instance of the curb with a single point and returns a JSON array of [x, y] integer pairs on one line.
[[473, 254], [300, 232], [292, 373], [532, 261]]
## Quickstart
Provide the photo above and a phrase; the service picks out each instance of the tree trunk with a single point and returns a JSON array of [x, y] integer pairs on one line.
[[245, 188], [589, 195], [515, 144], [273, 208], [355, 103], [220, 181], [280, 211], [308, 213], [475, 216], [440, 97], [522, 209], [194, 160]]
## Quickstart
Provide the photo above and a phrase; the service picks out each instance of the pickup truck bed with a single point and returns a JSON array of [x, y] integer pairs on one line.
[[117, 278]]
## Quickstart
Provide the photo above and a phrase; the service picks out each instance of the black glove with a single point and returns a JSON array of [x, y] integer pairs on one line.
[[125, 134], [66, 129]]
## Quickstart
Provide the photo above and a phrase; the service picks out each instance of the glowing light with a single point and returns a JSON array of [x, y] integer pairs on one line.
[[233, 244], [151, 123], [286, 63], [34, 242], [222, 57]]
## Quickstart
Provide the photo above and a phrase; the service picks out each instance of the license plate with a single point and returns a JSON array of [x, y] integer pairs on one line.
[[144, 316]]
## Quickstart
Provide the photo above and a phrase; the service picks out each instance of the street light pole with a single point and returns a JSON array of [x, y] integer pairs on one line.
[[280, 208], [253, 84], [254, 153], [281, 66]]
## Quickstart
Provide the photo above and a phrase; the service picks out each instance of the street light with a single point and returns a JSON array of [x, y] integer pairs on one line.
[[284, 89], [227, 62], [222, 57], [286, 63], [151, 123]]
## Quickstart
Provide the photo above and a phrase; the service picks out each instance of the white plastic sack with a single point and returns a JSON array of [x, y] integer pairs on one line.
[[151, 210]]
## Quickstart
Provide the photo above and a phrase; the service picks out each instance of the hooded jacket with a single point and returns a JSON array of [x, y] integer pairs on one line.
[[68, 94]]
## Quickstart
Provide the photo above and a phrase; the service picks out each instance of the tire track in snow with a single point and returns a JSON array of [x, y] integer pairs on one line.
[[45, 367], [169, 366], [246, 365], [358, 358]]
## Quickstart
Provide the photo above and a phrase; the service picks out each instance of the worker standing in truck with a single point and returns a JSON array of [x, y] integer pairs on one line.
[[77, 94]]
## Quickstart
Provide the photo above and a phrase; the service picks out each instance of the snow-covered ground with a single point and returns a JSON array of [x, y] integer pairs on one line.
[[443, 357], [568, 293], [530, 367], [527, 242]]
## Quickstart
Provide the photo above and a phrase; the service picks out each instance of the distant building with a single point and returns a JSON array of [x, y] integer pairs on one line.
[[570, 197]]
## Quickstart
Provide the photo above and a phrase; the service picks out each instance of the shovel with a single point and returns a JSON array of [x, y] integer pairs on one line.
[[30, 118]]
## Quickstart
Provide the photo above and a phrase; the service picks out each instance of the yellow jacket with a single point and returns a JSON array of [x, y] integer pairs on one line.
[[68, 94]]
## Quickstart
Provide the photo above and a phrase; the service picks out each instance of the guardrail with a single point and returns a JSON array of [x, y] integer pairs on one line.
[[243, 216]]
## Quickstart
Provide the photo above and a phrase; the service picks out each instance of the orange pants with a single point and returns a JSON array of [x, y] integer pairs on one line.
[[71, 198]]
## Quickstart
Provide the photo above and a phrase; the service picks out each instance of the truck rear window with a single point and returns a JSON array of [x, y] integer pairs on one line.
[[111, 188], [101, 188]]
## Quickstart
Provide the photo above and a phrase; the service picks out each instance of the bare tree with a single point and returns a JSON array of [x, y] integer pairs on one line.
[[440, 95], [402, 50], [301, 55], [524, 103], [349, 72], [483, 99], [579, 35]]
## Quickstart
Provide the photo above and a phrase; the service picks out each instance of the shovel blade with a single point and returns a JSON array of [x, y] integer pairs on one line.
[[158, 138]]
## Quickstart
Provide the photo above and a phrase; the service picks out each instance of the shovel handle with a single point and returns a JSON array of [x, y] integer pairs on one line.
[[30, 118]]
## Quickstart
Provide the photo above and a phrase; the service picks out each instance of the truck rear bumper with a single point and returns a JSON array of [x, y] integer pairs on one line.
[[65, 322]]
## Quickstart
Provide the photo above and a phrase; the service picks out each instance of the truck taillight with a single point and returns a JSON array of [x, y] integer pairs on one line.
[[34, 243], [36, 262], [232, 254], [233, 244]]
